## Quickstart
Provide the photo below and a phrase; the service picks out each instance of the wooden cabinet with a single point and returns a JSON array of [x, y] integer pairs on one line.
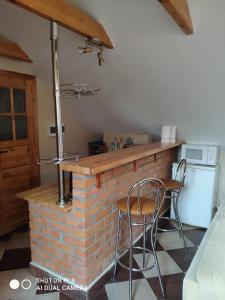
[[18, 147]]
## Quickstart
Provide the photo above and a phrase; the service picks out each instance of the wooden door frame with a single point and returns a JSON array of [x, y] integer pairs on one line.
[[34, 139]]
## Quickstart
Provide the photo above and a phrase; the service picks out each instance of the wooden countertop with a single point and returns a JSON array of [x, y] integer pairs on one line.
[[46, 195], [97, 164]]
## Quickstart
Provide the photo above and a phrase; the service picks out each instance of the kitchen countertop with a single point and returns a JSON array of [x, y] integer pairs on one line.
[[46, 195], [97, 164]]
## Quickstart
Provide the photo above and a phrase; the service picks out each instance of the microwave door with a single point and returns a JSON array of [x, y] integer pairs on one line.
[[196, 155]]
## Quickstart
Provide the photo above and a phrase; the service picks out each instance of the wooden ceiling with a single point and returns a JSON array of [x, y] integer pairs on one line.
[[13, 50], [78, 21], [179, 11], [68, 16]]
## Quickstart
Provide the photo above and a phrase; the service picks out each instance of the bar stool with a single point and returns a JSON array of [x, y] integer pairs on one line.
[[174, 187], [145, 209]]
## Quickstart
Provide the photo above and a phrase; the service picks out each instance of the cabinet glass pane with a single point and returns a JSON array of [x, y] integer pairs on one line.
[[6, 128], [4, 100], [19, 97], [21, 127]]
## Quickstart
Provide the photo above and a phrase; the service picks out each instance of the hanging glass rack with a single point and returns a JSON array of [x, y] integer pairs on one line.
[[52, 159], [77, 90]]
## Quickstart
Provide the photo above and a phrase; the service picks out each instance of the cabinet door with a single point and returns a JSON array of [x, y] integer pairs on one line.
[[14, 210], [18, 146]]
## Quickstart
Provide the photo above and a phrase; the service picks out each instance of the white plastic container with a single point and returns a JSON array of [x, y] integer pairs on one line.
[[168, 134]]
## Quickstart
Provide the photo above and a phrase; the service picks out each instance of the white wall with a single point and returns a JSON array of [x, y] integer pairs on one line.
[[156, 74]]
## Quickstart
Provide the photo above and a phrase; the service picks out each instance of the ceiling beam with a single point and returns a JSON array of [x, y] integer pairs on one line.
[[179, 11], [13, 50], [68, 16]]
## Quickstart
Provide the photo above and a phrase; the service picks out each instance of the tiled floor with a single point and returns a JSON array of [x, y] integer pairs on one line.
[[173, 264], [15, 257]]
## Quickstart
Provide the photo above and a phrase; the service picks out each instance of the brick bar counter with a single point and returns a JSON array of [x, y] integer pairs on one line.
[[77, 242]]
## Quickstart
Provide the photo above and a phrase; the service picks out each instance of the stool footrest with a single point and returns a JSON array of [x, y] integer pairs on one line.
[[123, 251], [168, 230]]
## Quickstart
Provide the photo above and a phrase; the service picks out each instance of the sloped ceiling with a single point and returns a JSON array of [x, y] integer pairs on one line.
[[154, 75]]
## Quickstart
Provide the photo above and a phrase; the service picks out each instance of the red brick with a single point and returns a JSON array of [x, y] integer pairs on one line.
[[63, 228], [140, 162], [79, 214], [85, 183], [77, 242], [53, 233], [79, 194], [103, 213], [118, 171], [63, 246], [106, 176]]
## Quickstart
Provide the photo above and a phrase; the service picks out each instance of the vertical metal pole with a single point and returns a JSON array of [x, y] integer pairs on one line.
[[58, 114]]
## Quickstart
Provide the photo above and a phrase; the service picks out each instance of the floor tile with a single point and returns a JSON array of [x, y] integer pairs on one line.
[[101, 295], [15, 259], [123, 274], [20, 293], [166, 264], [148, 244], [52, 296], [195, 236], [172, 286], [43, 288], [185, 226], [172, 240], [64, 297], [141, 290], [18, 240], [182, 259], [166, 224]]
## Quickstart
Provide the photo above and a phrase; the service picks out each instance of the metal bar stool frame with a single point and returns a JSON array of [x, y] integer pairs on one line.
[[158, 189], [174, 196]]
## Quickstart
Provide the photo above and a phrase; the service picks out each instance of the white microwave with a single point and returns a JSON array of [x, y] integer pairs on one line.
[[200, 154]]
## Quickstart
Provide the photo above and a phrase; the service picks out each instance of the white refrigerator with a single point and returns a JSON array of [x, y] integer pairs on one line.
[[198, 196]]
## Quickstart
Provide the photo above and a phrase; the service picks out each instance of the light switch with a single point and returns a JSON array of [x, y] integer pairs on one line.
[[52, 129]]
